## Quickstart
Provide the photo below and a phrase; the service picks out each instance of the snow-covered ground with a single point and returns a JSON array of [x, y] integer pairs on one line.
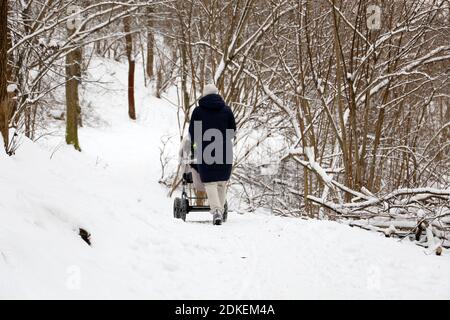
[[48, 191]]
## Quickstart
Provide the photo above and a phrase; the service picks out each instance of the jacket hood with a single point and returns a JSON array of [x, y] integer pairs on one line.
[[212, 102]]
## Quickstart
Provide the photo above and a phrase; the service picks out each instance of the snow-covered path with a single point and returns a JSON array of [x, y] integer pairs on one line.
[[139, 250], [257, 256]]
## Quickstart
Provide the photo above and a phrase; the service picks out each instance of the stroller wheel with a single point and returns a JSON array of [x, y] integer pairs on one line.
[[177, 208], [225, 212], [184, 209]]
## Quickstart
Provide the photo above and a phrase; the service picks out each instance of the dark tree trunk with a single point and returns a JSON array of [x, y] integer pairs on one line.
[[131, 105], [150, 45], [131, 68], [4, 104]]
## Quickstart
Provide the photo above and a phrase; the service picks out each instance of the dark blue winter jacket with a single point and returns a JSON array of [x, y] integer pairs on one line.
[[213, 151]]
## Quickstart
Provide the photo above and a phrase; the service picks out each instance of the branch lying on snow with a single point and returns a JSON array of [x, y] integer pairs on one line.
[[415, 194], [402, 213], [434, 245], [364, 201]]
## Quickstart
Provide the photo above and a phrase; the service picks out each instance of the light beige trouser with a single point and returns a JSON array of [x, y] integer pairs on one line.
[[217, 194], [198, 184]]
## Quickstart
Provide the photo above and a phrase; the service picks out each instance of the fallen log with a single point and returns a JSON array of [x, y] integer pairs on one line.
[[420, 214]]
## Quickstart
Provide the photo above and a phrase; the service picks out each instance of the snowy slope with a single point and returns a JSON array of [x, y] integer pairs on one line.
[[138, 250]]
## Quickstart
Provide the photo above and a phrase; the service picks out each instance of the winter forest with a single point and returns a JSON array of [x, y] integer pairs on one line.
[[340, 184]]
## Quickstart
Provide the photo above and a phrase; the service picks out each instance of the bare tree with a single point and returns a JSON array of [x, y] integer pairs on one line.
[[131, 67], [4, 103], [73, 76], [150, 45]]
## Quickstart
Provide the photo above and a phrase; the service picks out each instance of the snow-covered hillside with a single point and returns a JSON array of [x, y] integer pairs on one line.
[[49, 191]]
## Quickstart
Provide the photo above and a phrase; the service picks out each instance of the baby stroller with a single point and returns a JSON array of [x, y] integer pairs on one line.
[[189, 201]]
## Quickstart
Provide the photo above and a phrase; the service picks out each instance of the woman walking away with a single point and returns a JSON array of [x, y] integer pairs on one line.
[[212, 129]]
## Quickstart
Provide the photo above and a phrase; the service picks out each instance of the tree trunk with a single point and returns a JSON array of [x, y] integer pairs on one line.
[[4, 104], [159, 81], [150, 45], [346, 144], [131, 68], [184, 90], [73, 74], [131, 104]]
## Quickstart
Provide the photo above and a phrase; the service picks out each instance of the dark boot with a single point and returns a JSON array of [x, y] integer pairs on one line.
[[217, 217]]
